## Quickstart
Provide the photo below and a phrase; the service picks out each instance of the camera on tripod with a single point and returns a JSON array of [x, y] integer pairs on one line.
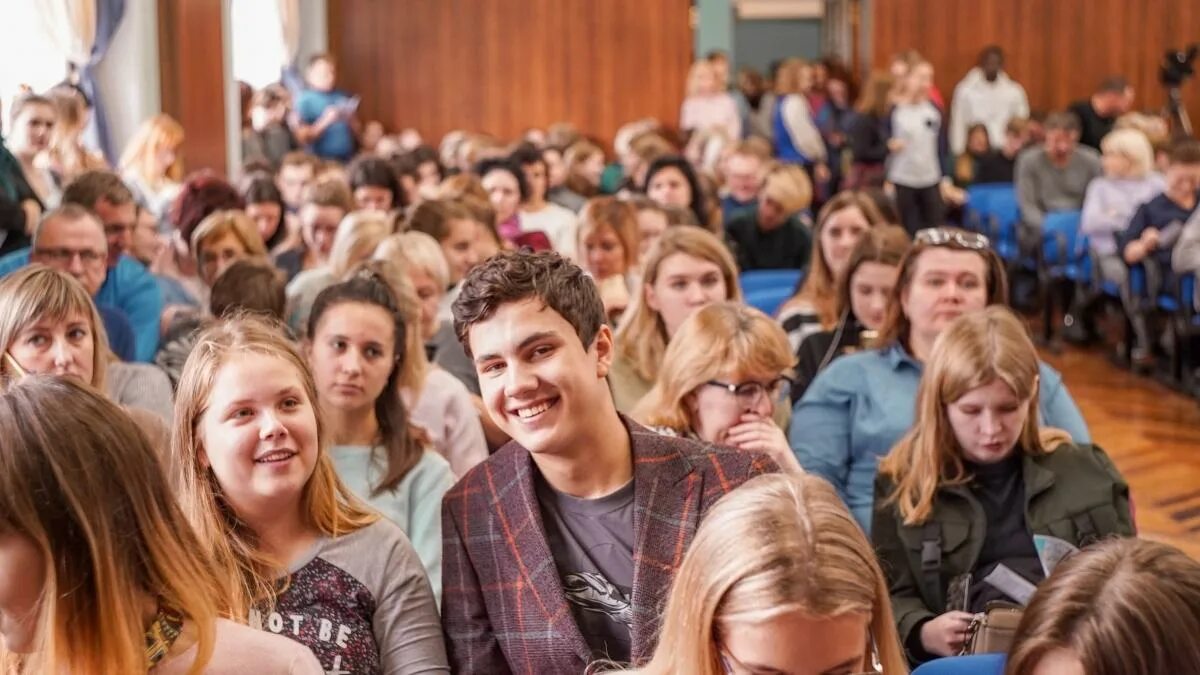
[[1178, 65]]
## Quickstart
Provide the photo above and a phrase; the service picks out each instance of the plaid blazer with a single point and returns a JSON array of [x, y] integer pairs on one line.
[[503, 606]]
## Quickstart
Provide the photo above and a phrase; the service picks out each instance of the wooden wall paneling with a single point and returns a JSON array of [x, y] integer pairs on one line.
[[191, 46], [1059, 50], [502, 66]]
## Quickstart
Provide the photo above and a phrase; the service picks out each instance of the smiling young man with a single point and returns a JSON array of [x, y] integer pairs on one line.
[[560, 548]]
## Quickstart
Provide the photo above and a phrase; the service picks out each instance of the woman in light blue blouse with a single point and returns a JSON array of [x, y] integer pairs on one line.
[[861, 405], [356, 339]]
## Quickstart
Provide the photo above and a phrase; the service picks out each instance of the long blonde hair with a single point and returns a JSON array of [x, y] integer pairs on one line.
[[975, 350], [326, 504], [36, 292], [642, 337], [779, 543], [1122, 607], [820, 283], [141, 154], [716, 339], [80, 480]]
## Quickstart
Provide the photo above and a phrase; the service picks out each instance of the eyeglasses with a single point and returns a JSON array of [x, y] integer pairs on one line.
[[942, 236], [65, 255], [748, 393]]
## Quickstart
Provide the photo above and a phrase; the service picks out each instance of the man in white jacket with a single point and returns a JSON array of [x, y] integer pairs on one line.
[[987, 95]]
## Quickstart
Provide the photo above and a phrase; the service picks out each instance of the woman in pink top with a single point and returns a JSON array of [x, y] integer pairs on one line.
[[708, 104]]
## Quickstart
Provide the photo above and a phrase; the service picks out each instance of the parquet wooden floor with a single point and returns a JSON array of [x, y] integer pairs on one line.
[[1153, 436]]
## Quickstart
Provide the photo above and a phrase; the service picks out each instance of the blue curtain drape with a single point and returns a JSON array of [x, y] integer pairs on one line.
[[108, 18]]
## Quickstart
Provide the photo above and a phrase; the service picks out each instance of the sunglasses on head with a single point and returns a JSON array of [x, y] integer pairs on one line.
[[949, 236]]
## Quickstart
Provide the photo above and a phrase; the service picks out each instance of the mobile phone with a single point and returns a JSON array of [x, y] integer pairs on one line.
[[16, 372]]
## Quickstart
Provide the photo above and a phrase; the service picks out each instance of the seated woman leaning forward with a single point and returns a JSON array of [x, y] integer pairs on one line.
[[968, 500], [779, 579], [721, 381]]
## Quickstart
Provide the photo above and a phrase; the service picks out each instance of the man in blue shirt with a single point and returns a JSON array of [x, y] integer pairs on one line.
[[117, 282], [325, 117]]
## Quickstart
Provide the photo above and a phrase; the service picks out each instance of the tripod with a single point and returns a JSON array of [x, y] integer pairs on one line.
[[1177, 115]]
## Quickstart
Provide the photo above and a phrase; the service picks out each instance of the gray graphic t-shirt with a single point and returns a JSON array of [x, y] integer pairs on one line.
[[592, 544]]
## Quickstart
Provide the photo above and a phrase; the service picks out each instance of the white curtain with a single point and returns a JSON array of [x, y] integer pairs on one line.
[[289, 23], [70, 25]]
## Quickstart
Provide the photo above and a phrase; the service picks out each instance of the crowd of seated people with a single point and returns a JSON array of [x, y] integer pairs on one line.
[[371, 405]]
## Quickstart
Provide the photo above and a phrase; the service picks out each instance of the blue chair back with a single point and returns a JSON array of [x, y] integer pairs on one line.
[[982, 664], [768, 300], [755, 280], [1062, 241], [994, 207]]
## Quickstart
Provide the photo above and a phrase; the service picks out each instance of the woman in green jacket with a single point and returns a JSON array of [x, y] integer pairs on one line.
[[962, 498]]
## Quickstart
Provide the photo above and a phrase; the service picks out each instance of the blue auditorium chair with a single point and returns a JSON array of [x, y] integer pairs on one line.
[[756, 280], [983, 664]]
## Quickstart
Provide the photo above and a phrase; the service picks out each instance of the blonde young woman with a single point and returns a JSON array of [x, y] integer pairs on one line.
[[708, 105], [32, 119], [50, 326], [152, 165], [797, 139], [608, 251], [778, 579], [67, 156], [840, 224], [722, 377], [105, 576], [687, 269], [962, 498], [304, 557], [359, 233], [1127, 607]]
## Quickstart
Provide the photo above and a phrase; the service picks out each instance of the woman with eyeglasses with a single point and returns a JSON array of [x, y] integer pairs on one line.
[[964, 497], [778, 579], [722, 376], [862, 404]]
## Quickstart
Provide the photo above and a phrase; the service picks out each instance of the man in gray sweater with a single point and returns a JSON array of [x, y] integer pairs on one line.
[[1053, 177]]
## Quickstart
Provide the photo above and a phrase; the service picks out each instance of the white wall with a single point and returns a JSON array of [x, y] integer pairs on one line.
[[314, 30], [129, 77]]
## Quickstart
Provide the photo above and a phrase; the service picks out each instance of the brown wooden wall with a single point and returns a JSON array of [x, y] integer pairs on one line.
[[193, 85], [1059, 50], [501, 66]]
